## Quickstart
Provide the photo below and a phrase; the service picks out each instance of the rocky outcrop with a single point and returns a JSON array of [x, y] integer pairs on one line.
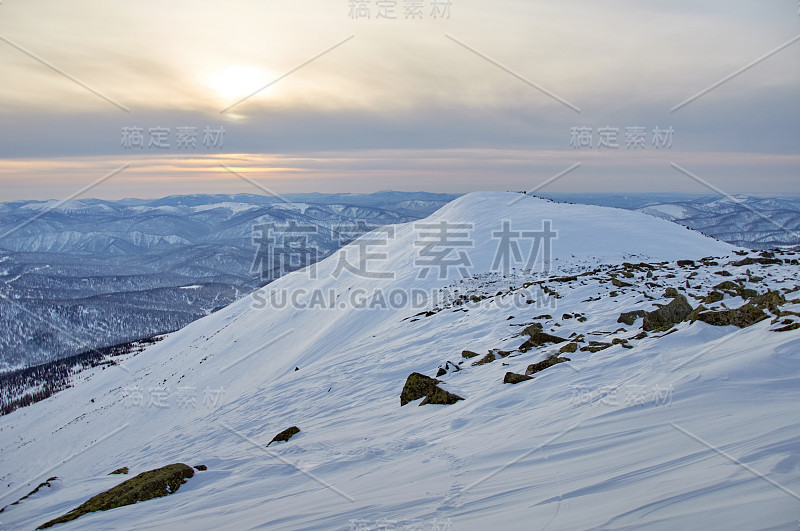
[[146, 486]]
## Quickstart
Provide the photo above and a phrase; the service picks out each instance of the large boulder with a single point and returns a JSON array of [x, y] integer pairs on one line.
[[663, 318]]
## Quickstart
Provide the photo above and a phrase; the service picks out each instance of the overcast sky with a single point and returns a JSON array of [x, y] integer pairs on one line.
[[492, 95]]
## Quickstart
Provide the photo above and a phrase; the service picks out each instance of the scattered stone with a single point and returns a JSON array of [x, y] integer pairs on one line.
[[469, 354], [761, 261], [514, 378], [620, 284], [201, 468], [542, 365], [685, 263], [490, 357], [538, 338], [123, 470], [285, 435], [595, 346], [569, 348], [146, 486]]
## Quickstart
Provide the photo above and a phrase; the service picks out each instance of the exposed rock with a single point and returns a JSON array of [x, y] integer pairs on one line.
[[440, 396], [490, 357], [285, 435], [569, 347], [146, 486], [620, 284], [538, 338], [685, 263], [762, 261], [122, 470], [595, 346], [201, 468], [469, 354], [542, 365], [417, 386], [514, 378], [714, 296], [742, 317], [629, 318], [671, 293], [31, 493], [663, 318]]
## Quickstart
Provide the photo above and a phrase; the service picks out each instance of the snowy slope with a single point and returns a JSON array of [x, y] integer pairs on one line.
[[556, 452]]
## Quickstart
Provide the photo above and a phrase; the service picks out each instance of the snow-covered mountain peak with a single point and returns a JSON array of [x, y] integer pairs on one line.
[[595, 442]]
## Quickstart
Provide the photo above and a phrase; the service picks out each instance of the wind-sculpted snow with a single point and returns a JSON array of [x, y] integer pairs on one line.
[[693, 427]]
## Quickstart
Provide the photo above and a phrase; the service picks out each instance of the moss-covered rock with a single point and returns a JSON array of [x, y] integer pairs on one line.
[[490, 357], [201, 468], [714, 296], [285, 435], [514, 378], [619, 284], [569, 348], [538, 338], [671, 293], [469, 354], [663, 318], [595, 346], [146, 486], [743, 316], [123, 470], [542, 365], [417, 386], [440, 396], [758, 260], [629, 318], [789, 327]]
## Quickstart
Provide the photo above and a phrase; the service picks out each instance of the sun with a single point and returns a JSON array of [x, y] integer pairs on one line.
[[233, 82]]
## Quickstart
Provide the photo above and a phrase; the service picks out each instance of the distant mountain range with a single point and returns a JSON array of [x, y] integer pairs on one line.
[[91, 273]]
